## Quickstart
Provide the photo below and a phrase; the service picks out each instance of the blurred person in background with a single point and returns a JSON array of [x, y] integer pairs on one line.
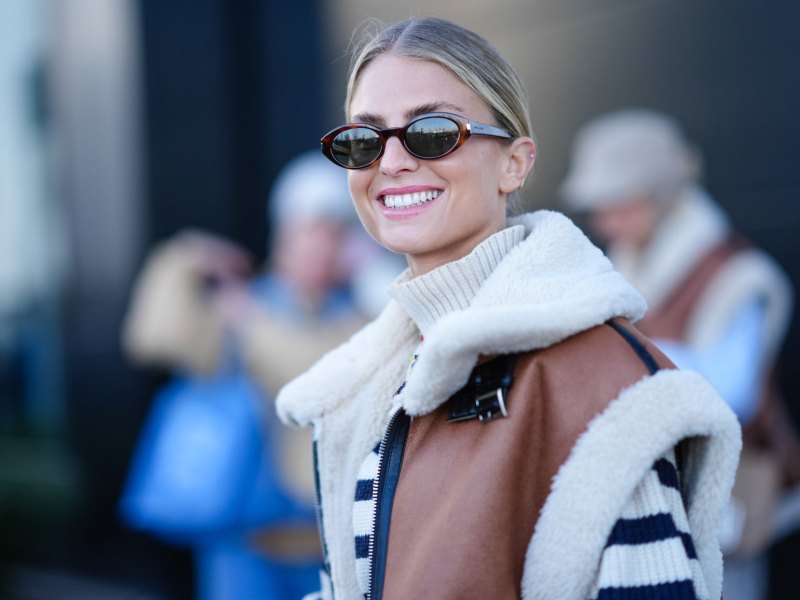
[[717, 304], [234, 338]]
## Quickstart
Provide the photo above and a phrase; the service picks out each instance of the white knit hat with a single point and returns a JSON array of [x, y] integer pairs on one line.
[[626, 154], [310, 186]]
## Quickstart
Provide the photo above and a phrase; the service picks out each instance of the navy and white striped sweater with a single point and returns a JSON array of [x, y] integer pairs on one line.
[[650, 553], [364, 518]]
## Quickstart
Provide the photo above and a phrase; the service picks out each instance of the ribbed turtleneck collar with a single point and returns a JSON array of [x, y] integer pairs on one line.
[[452, 286]]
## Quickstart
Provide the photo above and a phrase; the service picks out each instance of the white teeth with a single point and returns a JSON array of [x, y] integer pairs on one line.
[[405, 200]]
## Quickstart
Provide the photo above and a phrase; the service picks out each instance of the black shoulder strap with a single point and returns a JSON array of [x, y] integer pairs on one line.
[[637, 346], [653, 367]]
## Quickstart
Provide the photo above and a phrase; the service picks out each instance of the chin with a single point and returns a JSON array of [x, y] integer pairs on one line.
[[405, 246]]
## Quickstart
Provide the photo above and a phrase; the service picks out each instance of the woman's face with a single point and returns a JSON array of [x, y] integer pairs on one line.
[[468, 185]]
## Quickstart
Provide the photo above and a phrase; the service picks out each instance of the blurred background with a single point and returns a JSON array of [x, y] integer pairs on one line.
[[124, 121]]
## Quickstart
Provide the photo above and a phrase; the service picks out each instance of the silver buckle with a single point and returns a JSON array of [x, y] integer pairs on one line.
[[491, 405]]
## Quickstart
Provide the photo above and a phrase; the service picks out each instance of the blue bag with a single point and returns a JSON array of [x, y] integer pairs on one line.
[[198, 459]]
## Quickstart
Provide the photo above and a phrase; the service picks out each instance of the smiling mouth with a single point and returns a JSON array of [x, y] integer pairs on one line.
[[406, 200]]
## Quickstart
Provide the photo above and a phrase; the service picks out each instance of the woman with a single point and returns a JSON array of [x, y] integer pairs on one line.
[[716, 304], [530, 448]]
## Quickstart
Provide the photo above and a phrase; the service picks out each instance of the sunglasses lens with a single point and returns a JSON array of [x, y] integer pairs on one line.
[[354, 148], [432, 137]]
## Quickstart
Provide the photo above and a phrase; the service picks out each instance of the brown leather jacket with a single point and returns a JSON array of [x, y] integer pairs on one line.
[[479, 487]]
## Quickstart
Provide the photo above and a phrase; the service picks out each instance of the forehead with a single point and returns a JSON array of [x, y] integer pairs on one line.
[[391, 87]]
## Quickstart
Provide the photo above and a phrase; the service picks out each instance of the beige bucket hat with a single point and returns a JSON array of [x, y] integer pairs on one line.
[[627, 154]]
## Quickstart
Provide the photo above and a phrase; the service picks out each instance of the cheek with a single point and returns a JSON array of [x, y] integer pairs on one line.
[[359, 191], [651, 221], [484, 182], [640, 223], [605, 226], [358, 182]]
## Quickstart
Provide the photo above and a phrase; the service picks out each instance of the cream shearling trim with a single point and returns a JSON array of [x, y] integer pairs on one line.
[[552, 285], [691, 228], [747, 275], [620, 445], [343, 372]]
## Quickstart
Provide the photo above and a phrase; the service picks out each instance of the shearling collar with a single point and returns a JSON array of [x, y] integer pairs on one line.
[[554, 284]]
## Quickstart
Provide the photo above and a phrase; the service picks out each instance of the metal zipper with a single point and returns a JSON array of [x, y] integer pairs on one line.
[[390, 456], [320, 526]]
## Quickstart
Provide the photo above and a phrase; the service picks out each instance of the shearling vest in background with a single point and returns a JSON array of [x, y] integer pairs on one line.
[[671, 318], [771, 453], [479, 487], [771, 427]]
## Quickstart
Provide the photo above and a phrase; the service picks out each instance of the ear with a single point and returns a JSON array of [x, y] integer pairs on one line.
[[520, 157]]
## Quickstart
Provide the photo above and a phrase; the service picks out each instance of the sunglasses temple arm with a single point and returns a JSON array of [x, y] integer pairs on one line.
[[483, 129]]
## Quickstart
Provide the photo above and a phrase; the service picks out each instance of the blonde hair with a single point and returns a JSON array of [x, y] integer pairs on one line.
[[462, 52]]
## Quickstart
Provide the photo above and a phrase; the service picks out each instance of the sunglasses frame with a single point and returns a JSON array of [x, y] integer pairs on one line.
[[466, 129]]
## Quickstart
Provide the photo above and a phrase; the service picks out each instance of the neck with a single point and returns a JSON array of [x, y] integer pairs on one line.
[[422, 263]]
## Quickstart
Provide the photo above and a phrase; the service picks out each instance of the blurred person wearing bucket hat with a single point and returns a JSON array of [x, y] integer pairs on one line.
[[716, 304]]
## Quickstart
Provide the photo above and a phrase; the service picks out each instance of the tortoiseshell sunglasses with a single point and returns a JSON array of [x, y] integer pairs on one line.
[[428, 136]]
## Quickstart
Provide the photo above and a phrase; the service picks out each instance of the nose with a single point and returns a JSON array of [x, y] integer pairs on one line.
[[396, 158]]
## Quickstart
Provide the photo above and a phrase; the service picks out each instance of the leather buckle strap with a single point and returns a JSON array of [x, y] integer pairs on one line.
[[491, 405], [484, 395]]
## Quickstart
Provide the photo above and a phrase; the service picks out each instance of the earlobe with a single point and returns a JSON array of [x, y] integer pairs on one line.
[[521, 156]]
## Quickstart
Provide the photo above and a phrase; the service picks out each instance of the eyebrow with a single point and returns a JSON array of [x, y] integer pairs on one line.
[[421, 109], [438, 106]]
